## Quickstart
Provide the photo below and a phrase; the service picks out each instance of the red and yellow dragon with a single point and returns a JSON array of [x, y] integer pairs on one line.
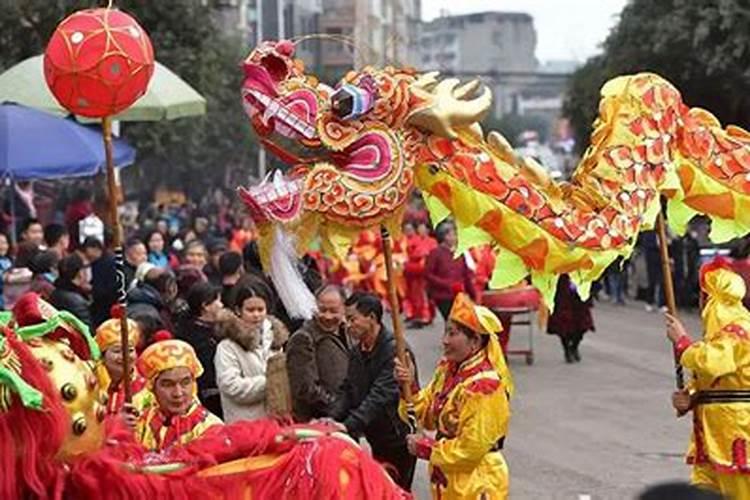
[[358, 150]]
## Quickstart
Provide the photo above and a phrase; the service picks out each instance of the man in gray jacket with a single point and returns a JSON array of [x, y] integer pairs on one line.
[[317, 357]]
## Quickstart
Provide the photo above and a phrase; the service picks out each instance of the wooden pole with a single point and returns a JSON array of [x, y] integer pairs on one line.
[[666, 270], [398, 324], [119, 258]]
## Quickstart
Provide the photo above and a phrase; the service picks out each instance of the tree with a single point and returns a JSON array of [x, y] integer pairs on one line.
[[581, 102], [187, 41], [701, 46]]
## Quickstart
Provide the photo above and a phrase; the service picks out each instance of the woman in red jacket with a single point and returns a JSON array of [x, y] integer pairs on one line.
[[419, 244], [445, 274]]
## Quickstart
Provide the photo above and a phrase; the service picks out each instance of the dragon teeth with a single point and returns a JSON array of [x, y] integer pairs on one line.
[[271, 110], [261, 97], [278, 110], [277, 189]]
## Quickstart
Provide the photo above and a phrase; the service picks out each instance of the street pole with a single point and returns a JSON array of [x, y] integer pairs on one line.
[[280, 36], [258, 40]]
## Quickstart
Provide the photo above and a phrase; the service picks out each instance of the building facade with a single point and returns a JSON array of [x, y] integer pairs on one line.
[[500, 48], [480, 43], [354, 33], [373, 32]]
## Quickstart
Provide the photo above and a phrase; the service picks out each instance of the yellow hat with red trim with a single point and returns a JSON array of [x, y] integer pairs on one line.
[[464, 313], [483, 321], [108, 333], [167, 354]]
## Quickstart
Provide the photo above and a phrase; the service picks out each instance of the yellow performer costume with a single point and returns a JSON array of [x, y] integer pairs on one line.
[[720, 389], [468, 407], [156, 429], [108, 336]]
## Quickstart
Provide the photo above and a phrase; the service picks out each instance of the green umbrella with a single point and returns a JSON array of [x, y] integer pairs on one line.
[[168, 97]]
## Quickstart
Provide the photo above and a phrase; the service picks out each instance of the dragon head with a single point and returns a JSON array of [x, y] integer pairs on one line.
[[353, 148], [352, 151]]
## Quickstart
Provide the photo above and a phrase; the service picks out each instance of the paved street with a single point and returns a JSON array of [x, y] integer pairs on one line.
[[601, 429]]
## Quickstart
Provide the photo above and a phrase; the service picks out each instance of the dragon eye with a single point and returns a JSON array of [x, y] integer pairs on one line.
[[350, 102]]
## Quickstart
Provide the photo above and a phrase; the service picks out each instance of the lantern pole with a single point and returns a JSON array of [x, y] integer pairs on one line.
[[398, 324], [119, 258]]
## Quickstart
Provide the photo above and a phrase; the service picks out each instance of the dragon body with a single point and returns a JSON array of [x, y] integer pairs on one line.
[[355, 169]]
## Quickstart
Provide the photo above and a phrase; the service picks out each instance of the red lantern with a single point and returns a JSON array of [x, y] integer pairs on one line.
[[98, 62]]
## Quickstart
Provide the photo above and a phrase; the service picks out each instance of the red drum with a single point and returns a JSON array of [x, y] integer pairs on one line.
[[515, 307], [515, 298]]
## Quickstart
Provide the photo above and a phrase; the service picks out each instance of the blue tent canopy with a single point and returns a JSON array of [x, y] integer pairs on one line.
[[37, 145]]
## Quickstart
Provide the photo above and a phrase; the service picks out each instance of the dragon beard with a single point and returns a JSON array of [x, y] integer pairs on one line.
[[286, 276]]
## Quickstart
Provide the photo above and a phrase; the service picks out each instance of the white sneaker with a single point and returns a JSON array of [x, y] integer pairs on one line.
[[664, 309], [649, 308]]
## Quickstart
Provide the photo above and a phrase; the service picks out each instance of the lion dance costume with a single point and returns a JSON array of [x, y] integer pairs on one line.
[[57, 441]]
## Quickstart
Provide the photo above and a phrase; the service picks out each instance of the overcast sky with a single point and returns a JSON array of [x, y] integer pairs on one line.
[[566, 29]]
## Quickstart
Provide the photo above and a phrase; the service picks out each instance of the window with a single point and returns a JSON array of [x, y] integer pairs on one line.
[[376, 7], [333, 46], [445, 56], [497, 38]]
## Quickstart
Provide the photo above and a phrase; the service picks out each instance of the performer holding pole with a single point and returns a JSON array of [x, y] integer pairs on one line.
[[467, 405], [719, 393]]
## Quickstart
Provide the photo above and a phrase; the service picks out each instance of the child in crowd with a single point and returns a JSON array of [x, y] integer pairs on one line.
[[5, 259], [5, 263], [156, 254], [249, 337]]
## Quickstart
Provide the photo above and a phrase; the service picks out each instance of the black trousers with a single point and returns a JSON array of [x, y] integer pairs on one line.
[[399, 463], [655, 292], [444, 306]]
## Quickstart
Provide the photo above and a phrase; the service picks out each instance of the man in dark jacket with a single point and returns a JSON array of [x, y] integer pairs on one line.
[[103, 280], [317, 357], [150, 299], [231, 270], [369, 401], [136, 254], [69, 292]]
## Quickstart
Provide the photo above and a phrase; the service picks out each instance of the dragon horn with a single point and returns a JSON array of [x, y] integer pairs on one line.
[[428, 81], [467, 89], [447, 110]]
